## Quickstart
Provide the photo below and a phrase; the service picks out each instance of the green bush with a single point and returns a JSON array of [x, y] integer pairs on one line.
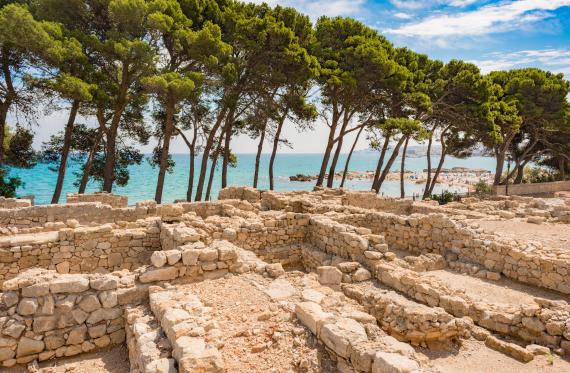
[[482, 188], [445, 197], [8, 186]]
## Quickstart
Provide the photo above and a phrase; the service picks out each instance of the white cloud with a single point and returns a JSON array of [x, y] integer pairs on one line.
[[488, 19], [315, 9], [419, 4], [555, 60], [402, 15]]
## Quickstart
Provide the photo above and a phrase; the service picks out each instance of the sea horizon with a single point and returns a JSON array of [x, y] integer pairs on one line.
[[39, 181]]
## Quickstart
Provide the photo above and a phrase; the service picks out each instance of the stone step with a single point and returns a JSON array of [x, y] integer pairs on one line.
[[406, 319], [149, 348], [194, 336], [353, 337]]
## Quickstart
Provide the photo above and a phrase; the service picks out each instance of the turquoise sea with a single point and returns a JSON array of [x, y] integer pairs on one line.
[[40, 181]]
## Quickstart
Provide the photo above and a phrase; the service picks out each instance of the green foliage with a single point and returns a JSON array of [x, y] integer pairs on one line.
[[446, 197], [20, 152], [8, 185], [482, 188]]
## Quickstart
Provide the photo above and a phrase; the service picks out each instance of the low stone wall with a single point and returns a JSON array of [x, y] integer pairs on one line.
[[532, 189], [112, 200], [544, 322], [24, 219], [194, 336], [436, 233], [339, 239], [407, 320], [14, 203], [46, 315], [81, 250], [244, 193], [149, 349]]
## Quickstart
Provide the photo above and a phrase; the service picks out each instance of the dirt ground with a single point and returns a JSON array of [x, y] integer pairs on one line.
[[114, 360], [504, 292], [474, 357], [550, 235], [260, 333]]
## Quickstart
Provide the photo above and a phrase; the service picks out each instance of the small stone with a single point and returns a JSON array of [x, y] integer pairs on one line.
[[275, 270], [329, 275], [158, 259]]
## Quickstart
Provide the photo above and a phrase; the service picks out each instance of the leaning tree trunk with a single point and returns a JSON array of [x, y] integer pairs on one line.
[[402, 169], [227, 151], [346, 164], [332, 169], [562, 168], [328, 149], [206, 154], [376, 180], [67, 137], [520, 173], [275, 146], [390, 163], [3, 116], [213, 167], [168, 129], [89, 162], [438, 170], [258, 155], [500, 154], [192, 165], [428, 178]]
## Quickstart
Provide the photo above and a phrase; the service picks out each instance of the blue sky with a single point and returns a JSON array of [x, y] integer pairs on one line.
[[493, 34]]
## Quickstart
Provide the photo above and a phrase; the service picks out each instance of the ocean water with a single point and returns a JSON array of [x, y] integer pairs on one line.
[[40, 181]]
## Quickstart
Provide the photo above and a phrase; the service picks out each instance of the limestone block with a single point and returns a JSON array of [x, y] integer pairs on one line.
[[69, 284], [361, 274], [312, 316], [108, 299], [386, 362], [89, 303], [28, 346], [275, 270], [77, 335], [160, 274], [158, 259], [329, 275], [340, 335], [104, 283], [172, 256], [27, 306]]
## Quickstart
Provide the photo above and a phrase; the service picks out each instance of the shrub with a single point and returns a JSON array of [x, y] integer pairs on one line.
[[482, 188], [445, 197]]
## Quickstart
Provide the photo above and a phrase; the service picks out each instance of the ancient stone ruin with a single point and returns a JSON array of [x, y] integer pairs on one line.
[[320, 281]]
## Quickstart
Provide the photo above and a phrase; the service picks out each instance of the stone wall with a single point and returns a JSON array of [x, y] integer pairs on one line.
[[435, 233], [103, 248], [24, 220], [110, 199], [46, 315], [14, 203], [244, 193], [532, 189]]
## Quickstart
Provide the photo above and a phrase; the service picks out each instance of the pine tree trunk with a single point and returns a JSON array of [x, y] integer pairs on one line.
[[226, 160], [332, 169], [192, 164], [346, 164], [562, 168], [390, 163], [206, 154], [275, 146], [438, 170], [328, 149], [428, 179], [168, 130], [67, 137], [500, 155], [258, 155], [375, 183], [89, 162], [3, 116], [213, 167], [403, 169]]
